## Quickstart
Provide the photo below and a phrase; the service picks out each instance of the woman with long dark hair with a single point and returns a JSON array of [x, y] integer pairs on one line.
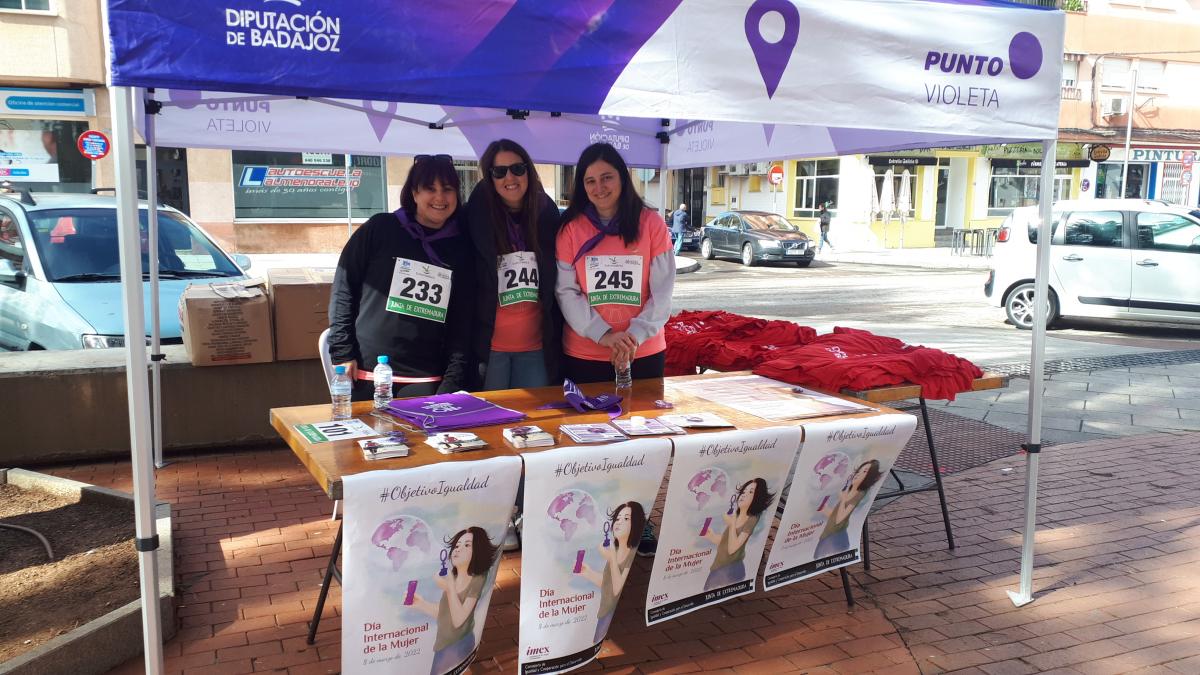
[[471, 555], [624, 524], [616, 272], [513, 223], [403, 289], [728, 565], [835, 538]]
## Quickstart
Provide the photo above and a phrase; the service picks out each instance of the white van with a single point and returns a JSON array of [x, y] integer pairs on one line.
[[1110, 258]]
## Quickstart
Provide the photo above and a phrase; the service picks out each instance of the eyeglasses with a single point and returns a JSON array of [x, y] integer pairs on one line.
[[517, 169], [436, 158]]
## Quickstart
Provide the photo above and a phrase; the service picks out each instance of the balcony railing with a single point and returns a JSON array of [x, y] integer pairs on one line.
[[1071, 93], [1067, 5]]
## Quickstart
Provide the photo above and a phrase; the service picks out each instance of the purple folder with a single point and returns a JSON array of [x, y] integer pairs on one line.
[[445, 412]]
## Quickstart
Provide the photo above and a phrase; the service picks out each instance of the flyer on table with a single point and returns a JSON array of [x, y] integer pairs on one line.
[[420, 550], [841, 468], [585, 508], [721, 500]]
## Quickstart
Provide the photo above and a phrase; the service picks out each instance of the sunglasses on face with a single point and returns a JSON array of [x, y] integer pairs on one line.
[[434, 158], [517, 169]]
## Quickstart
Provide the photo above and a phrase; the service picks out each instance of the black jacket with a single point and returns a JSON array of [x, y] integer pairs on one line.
[[361, 328], [479, 219]]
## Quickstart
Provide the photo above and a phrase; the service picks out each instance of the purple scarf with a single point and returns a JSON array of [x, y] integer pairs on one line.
[[613, 228], [515, 236], [417, 231]]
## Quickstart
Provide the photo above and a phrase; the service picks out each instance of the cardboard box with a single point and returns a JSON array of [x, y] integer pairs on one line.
[[226, 323], [299, 309]]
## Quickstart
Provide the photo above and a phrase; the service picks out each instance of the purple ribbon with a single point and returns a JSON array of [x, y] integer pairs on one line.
[[576, 399], [417, 231], [612, 228]]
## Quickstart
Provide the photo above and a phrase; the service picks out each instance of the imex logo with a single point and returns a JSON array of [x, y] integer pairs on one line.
[[537, 651], [1024, 59]]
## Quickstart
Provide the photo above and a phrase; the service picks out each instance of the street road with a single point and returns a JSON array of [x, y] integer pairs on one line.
[[942, 308]]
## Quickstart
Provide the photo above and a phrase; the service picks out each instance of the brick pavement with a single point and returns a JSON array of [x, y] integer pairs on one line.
[[1117, 577]]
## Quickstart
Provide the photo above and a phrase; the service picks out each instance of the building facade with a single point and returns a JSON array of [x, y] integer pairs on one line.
[[935, 192]]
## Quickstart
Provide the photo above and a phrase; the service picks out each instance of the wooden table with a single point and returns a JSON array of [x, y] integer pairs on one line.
[[329, 462]]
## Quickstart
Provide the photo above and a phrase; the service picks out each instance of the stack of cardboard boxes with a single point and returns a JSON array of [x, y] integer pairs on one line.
[[256, 321]]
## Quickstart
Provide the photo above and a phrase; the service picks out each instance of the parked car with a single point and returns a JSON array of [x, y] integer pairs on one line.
[[1110, 258], [756, 236], [60, 274]]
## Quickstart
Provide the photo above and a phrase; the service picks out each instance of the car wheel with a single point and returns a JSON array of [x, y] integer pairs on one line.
[[1019, 307], [748, 255], [706, 249], [803, 263]]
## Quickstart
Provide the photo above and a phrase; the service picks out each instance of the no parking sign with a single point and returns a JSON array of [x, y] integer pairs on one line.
[[93, 145]]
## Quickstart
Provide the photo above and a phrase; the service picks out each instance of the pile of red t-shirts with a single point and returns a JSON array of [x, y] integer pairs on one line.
[[725, 341], [847, 358], [855, 359]]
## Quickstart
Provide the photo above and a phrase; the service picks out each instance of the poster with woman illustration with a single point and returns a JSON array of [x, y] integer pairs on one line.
[[585, 509], [420, 551], [721, 501], [841, 468]]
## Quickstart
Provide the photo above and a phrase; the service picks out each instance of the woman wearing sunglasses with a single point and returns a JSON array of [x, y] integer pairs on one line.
[[512, 222], [403, 289], [616, 272]]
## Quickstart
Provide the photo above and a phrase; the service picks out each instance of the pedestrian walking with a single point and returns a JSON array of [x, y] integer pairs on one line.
[[823, 219], [679, 225]]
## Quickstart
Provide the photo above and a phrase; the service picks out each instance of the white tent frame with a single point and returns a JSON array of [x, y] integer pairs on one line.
[[145, 437]]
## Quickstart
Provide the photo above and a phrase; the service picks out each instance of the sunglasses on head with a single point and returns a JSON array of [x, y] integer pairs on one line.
[[517, 169], [435, 158]]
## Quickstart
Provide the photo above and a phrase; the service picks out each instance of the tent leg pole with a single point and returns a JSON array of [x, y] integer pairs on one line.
[[156, 355], [136, 379], [1037, 366]]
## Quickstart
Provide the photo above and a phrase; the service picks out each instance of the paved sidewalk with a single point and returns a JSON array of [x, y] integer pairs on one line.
[[1117, 580], [1088, 405], [933, 258]]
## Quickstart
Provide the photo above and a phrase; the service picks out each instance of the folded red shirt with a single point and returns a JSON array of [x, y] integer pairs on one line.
[[725, 341], [849, 358]]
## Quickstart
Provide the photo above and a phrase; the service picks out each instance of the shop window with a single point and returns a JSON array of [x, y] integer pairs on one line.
[[566, 184], [816, 184], [1012, 187], [41, 155], [468, 176], [26, 5], [291, 186], [1108, 180]]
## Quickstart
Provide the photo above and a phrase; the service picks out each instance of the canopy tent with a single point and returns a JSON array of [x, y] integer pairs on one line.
[[803, 78]]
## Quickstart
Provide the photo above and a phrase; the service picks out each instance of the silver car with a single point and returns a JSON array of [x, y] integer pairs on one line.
[[60, 279]]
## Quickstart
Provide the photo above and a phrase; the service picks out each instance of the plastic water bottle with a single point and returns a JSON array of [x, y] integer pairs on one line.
[[339, 390], [383, 382], [624, 376]]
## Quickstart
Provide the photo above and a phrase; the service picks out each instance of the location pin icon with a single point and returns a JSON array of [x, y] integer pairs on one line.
[[772, 57]]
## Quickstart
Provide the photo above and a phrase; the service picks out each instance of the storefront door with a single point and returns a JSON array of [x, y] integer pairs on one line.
[[943, 189], [1108, 180]]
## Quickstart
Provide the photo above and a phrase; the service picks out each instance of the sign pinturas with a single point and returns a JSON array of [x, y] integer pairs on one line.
[[93, 145]]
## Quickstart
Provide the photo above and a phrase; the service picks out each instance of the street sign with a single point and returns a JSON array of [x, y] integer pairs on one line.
[[93, 145], [775, 175]]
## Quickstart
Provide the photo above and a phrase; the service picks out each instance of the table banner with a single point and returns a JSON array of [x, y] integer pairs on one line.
[[720, 505], [421, 548], [841, 467], [584, 512]]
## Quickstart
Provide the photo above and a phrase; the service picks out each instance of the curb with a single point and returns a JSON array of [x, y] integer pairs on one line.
[[685, 265]]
